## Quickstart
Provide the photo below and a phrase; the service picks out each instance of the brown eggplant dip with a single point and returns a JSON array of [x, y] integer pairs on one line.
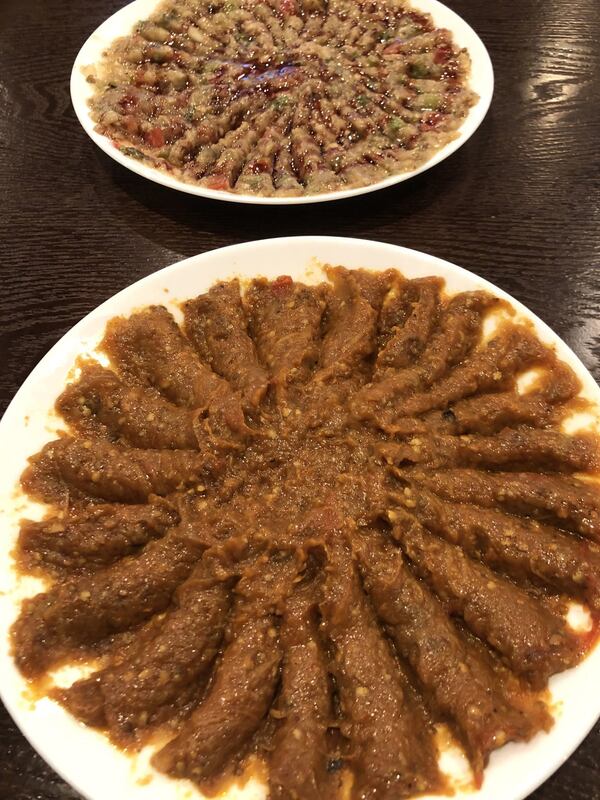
[[282, 97], [309, 529]]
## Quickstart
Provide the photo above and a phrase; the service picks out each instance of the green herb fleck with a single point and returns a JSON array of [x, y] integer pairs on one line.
[[190, 114], [281, 102], [362, 100], [395, 124], [167, 19], [132, 152], [418, 70], [428, 102]]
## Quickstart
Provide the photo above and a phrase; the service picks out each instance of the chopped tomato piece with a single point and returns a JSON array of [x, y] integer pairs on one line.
[[282, 284], [260, 165], [443, 54], [127, 102], [155, 137], [288, 7], [420, 19], [431, 120], [393, 47], [218, 182]]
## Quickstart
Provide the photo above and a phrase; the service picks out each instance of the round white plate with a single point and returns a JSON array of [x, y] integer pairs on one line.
[[123, 22], [83, 757]]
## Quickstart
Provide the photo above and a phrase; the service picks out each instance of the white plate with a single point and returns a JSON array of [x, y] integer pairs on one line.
[[84, 758], [123, 22]]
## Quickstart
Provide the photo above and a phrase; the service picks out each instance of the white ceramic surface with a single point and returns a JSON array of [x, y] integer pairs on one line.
[[81, 756], [123, 21]]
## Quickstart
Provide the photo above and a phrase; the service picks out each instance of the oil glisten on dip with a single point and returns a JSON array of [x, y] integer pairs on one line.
[[309, 526], [282, 97]]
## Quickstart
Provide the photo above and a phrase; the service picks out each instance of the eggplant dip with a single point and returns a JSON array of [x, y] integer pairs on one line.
[[282, 97], [308, 529]]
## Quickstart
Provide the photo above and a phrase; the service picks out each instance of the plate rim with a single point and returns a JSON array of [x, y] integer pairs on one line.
[[472, 122], [396, 255]]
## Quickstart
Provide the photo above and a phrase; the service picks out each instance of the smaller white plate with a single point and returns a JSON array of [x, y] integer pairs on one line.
[[122, 23], [83, 757]]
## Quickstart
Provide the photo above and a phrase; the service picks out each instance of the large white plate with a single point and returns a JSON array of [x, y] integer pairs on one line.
[[84, 758], [122, 23]]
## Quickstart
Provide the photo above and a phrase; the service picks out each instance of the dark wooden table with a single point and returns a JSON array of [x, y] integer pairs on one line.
[[519, 204]]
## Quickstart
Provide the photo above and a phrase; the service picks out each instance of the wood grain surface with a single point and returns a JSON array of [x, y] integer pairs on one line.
[[519, 204]]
